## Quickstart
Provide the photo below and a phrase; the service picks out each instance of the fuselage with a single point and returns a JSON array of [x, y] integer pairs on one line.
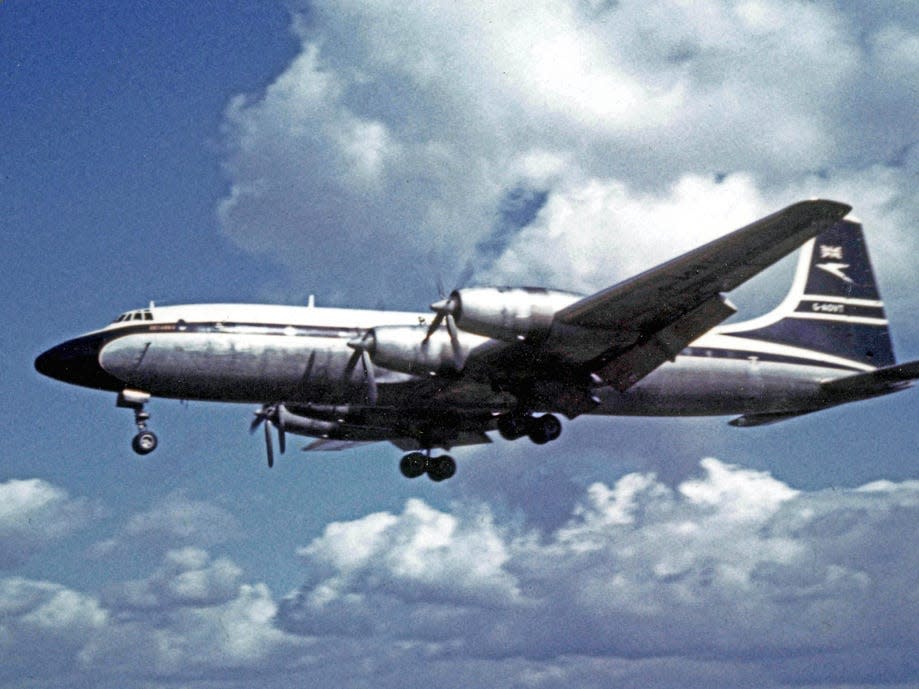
[[257, 353]]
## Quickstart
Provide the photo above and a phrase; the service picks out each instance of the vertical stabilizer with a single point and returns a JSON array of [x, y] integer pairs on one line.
[[834, 306]]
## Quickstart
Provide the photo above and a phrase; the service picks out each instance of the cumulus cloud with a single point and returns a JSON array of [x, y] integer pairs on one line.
[[43, 628], [728, 577], [732, 565], [34, 513], [176, 520], [399, 133], [193, 618], [188, 577]]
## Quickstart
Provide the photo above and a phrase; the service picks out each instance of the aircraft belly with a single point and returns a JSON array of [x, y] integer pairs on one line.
[[698, 386], [230, 366]]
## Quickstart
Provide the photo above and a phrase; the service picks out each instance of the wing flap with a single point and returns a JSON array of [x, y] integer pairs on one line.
[[626, 370]]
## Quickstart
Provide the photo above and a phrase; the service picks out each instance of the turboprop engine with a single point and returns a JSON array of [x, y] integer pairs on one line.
[[504, 313], [405, 348]]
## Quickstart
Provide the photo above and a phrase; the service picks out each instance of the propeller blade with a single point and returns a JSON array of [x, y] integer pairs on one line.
[[458, 359], [280, 411], [352, 362], [369, 377], [269, 448], [435, 324]]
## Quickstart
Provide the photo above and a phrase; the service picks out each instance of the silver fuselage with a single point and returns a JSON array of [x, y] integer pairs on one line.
[[254, 353]]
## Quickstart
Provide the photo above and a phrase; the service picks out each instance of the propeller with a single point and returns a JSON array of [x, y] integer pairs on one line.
[[270, 415], [361, 347], [445, 310]]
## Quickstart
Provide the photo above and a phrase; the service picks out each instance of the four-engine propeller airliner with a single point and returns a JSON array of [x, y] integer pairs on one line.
[[511, 359]]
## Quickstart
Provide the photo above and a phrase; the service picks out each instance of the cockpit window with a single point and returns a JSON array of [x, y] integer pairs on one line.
[[144, 315]]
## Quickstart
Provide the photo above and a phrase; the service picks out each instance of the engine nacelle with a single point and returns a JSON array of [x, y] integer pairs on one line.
[[403, 348], [305, 425], [508, 313]]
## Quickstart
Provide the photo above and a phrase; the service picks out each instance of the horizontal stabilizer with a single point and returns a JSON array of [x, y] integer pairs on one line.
[[883, 379], [764, 419]]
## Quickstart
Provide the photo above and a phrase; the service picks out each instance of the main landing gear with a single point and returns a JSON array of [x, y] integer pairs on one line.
[[414, 464], [540, 429], [145, 441]]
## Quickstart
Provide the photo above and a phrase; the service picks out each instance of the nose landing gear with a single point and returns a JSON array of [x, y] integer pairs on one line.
[[145, 441], [414, 464]]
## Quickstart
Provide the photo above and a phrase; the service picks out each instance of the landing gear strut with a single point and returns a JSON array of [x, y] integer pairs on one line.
[[145, 441], [540, 429], [414, 464]]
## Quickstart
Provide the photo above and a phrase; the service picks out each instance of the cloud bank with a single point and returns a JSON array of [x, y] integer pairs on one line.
[[389, 147], [729, 577]]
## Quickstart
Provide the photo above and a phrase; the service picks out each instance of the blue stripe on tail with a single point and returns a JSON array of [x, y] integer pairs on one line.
[[834, 306]]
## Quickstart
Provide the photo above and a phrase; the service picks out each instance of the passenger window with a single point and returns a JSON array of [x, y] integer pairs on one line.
[[148, 316], [137, 316]]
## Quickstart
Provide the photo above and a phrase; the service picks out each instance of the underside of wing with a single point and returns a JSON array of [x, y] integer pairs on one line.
[[458, 440], [331, 445]]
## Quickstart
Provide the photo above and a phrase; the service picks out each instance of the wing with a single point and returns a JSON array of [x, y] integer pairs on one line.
[[624, 332]]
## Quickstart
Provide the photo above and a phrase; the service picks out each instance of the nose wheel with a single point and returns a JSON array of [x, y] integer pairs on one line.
[[414, 464], [145, 441]]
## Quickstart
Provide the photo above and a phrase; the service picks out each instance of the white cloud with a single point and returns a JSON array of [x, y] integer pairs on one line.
[[43, 628], [188, 577], [396, 133], [34, 513], [174, 521], [192, 619], [424, 554], [732, 565], [730, 577], [601, 231]]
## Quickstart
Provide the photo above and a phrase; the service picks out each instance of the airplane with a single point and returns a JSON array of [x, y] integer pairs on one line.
[[511, 359]]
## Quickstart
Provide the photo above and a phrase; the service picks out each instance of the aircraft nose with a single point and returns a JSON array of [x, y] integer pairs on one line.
[[77, 361]]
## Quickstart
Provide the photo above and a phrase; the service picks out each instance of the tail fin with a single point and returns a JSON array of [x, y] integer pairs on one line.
[[833, 307]]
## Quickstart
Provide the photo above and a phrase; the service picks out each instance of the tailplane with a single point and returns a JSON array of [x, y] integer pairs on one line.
[[834, 306]]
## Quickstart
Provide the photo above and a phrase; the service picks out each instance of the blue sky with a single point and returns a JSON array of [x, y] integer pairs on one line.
[[262, 152]]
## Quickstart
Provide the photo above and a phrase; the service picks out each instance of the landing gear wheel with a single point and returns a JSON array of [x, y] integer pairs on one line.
[[144, 442], [512, 426], [544, 429], [413, 464], [441, 468]]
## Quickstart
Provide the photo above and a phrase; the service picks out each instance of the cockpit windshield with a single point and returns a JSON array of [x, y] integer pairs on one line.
[[139, 315]]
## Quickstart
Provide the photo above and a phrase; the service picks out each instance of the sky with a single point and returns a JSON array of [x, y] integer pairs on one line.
[[365, 152]]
